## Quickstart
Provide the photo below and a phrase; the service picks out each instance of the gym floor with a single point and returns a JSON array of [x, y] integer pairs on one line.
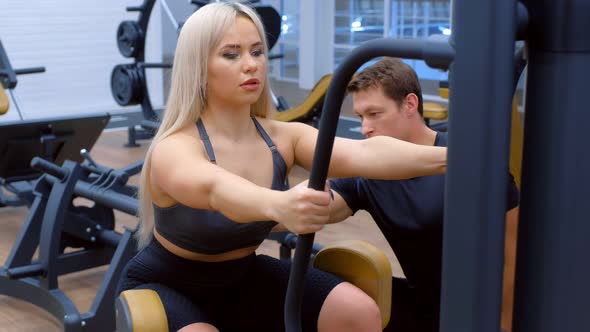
[[81, 287]]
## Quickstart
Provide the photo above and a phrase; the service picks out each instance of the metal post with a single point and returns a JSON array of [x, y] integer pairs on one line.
[[552, 290], [479, 136]]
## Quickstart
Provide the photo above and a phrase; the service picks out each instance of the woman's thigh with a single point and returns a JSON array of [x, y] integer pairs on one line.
[[260, 301], [180, 309]]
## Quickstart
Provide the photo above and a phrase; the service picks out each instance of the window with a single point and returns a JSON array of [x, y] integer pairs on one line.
[[420, 19], [287, 67], [358, 21]]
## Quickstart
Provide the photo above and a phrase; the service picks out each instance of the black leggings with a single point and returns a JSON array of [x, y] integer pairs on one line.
[[246, 294], [412, 310]]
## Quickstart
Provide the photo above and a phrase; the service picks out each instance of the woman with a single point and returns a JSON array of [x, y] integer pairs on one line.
[[213, 187]]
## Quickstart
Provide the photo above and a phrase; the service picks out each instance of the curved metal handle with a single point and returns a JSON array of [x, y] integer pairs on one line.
[[437, 53]]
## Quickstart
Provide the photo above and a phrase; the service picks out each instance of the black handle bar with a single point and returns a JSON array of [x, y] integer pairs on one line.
[[8, 75], [33, 70], [50, 168], [438, 54], [104, 196]]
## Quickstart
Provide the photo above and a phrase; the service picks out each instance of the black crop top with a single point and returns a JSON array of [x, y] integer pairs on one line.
[[210, 232]]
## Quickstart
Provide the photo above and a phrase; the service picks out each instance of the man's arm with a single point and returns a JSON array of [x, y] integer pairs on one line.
[[339, 210], [346, 198]]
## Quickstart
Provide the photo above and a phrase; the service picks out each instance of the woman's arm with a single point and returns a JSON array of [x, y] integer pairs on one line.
[[182, 172], [380, 157]]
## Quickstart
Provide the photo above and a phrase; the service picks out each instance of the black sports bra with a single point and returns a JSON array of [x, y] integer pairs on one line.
[[210, 232]]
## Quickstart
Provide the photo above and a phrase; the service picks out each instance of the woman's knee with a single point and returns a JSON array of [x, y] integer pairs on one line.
[[347, 308], [199, 327]]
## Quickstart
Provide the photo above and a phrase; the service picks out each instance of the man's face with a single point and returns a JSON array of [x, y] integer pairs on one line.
[[379, 114]]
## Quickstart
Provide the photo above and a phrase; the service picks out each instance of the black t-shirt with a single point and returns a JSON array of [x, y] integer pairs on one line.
[[410, 216]]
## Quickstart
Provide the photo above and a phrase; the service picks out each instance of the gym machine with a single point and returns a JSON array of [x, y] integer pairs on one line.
[[54, 139], [552, 273], [551, 288], [8, 80], [72, 237], [128, 81]]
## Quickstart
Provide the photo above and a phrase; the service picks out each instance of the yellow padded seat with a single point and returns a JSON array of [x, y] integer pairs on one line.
[[435, 111], [4, 103], [364, 266], [317, 94], [443, 92], [140, 310]]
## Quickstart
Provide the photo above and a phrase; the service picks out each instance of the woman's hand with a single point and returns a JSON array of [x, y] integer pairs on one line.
[[302, 210]]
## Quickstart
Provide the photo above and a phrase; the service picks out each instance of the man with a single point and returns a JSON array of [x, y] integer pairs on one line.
[[388, 100]]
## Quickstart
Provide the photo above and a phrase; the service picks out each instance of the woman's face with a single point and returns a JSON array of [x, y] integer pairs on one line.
[[237, 66]]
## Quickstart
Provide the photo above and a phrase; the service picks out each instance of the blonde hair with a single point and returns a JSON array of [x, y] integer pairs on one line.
[[200, 35]]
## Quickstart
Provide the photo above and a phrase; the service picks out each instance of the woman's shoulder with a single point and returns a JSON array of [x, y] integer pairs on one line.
[[281, 128], [185, 140]]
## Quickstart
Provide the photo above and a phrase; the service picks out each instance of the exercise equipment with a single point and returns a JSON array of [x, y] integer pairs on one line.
[[310, 109], [70, 237], [8, 81], [363, 265], [436, 53], [4, 102], [357, 262], [55, 139], [437, 111], [288, 241], [551, 288], [128, 83]]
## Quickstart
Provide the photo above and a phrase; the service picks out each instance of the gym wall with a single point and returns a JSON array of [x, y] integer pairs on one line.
[[76, 43]]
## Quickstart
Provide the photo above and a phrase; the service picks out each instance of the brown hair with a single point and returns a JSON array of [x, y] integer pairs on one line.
[[395, 77]]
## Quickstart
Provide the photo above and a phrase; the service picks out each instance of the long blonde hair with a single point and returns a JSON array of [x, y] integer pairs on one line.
[[200, 35]]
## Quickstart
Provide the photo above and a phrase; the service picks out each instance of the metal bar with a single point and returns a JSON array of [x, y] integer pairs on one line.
[[32, 70], [16, 104], [106, 197], [552, 292], [53, 219], [476, 181], [27, 241], [53, 301], [25, 271], [100, 316], [7, 74], [82, 260], [175, 24]]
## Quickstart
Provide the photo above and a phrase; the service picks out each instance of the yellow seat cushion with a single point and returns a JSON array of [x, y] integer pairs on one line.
[[364, 266], [435, 111], [443, 92], [316, 95], [145, 309], [4, 103]]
